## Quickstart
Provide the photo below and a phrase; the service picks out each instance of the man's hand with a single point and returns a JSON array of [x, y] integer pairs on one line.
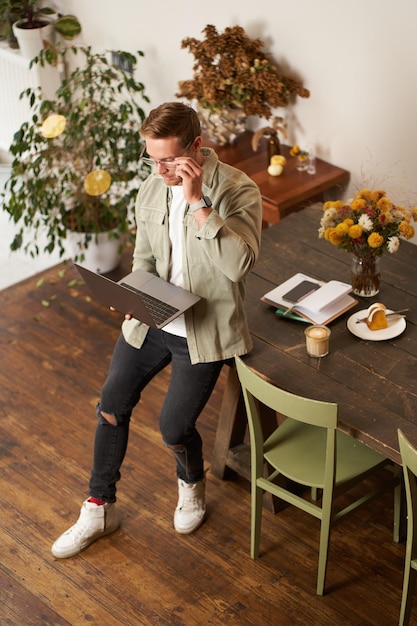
[[192, 182], [127, 316], [192, 178]]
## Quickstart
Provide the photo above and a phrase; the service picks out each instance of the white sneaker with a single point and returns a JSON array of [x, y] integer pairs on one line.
[[94, 522], [191, 506]]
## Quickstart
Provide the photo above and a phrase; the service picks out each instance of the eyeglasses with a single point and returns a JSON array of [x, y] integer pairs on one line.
[[168, 163]]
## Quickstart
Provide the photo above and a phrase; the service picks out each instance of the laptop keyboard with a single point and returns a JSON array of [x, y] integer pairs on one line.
[[159, 310]]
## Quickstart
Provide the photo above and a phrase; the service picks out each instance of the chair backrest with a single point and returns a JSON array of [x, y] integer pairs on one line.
[[257, 392], [408, 453], [302, 409], [409, 461]]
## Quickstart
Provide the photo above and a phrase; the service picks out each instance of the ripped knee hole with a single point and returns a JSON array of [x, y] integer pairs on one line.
[[111, 419], [179, 447]]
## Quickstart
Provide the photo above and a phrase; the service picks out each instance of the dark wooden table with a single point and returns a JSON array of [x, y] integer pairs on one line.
[[374, 382], [284, 194]]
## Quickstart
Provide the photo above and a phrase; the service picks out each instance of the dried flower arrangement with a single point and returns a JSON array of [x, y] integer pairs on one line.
[[231, 71]]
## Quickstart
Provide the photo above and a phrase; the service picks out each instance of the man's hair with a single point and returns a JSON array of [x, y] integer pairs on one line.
[[172, 119]]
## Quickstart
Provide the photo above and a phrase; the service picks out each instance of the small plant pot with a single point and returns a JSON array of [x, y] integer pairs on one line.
[[32, 40], [102, 253]]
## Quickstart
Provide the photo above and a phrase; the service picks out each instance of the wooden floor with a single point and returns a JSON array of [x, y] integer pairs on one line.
[[53, 360]]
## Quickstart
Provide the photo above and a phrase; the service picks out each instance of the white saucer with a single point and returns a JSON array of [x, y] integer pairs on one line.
[[395, 327]]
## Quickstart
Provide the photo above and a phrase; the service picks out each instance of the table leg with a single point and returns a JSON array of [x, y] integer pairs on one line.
[[231, 426], [230, 453]]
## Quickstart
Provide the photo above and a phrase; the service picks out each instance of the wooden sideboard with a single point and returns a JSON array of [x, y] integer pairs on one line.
[[284, 194]]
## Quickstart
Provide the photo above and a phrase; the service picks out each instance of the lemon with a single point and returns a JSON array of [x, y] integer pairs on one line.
[[275, 170], [97, 182], [278, 159], [53, 126]]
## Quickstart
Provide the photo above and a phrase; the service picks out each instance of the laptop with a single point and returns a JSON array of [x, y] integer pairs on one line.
[[145, 297]]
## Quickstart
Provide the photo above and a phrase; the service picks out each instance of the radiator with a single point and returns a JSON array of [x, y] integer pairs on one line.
[[15, 77]]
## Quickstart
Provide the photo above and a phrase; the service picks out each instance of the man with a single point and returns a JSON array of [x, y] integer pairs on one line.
[[198, 226]]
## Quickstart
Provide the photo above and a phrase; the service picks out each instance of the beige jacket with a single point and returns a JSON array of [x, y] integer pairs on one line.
[[216, 260]]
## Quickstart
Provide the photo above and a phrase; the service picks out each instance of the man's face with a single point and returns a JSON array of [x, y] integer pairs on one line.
[[163, 152]]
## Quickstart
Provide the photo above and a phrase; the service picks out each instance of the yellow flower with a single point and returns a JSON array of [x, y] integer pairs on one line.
[[296, 151], [376, 195], [365, 194], [375, 240], [406, 230], [342, 228], [334, 204], [358, 204], [370, 196], [355, 231], [333, 236], [385, 204], [326, 233]]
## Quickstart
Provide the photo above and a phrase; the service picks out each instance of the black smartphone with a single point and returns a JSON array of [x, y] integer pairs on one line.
[[302, 290]]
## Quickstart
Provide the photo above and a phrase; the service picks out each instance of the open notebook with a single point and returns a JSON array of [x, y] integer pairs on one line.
[[310, 299]]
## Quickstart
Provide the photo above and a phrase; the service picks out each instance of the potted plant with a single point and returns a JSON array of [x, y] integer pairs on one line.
[[233, 75], [28, 24], [9, 13], [76, 162]]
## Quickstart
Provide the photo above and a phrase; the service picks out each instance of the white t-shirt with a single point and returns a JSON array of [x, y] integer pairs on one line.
[[176, 218]]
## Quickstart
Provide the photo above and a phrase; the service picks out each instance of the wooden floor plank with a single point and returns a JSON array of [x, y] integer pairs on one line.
[[53, 361]]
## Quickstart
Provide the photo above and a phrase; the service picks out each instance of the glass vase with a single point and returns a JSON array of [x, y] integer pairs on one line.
[[302, 163], [366, 275], [222, 127]]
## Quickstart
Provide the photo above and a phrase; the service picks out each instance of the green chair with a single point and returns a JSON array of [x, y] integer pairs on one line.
[[409, 461], [306, 448]]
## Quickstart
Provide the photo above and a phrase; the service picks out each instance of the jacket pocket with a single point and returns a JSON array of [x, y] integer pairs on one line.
[[150, 215]]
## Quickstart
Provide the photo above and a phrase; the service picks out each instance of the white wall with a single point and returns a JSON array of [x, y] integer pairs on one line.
[[357, 57]]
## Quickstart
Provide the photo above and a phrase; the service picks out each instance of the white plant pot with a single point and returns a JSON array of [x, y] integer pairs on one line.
[[100, 256], [31, 40]]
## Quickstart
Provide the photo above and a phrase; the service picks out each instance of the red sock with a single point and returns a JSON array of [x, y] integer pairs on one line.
[[96, 501]]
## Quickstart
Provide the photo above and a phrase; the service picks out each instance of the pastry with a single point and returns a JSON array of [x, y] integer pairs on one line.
[[377, 318]]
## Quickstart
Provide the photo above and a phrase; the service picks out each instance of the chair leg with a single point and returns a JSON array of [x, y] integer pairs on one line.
[[409, 585], [256, 522], [400, 507], [399, 510], [324, 541], [323, 551]]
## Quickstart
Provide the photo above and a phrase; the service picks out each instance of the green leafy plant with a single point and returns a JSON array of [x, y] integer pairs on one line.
[[95, 120], [32, 14], [10, 12]]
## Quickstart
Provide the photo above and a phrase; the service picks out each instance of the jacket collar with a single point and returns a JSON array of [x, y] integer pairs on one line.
[[209, 166]]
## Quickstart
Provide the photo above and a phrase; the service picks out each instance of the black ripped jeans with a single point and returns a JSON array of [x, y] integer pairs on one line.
[[131, 369]]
